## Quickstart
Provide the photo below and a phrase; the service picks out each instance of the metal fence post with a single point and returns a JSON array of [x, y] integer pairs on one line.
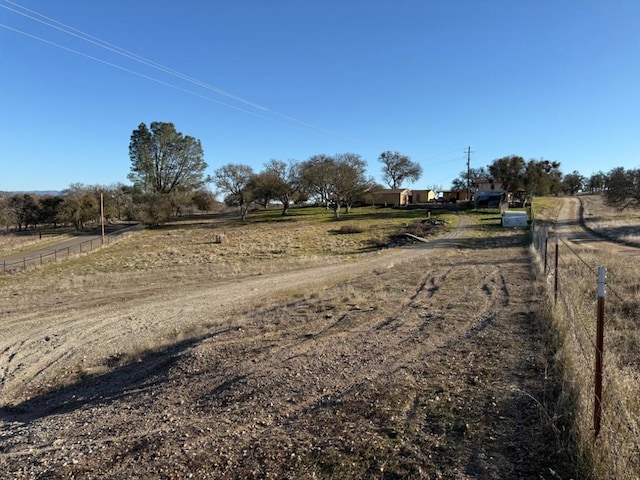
[[597, 408]]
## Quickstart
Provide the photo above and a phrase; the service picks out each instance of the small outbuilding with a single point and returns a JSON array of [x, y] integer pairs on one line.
[[393, 196], [490, 199], [422, 196]]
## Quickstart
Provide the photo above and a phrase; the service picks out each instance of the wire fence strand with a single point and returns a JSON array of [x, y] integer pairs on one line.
[[54, 255], [616, 453]]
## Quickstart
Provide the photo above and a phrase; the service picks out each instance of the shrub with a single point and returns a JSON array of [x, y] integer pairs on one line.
[[349, 229]]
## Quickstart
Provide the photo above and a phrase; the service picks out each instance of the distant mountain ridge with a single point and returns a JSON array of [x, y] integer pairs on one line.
[[53, 193]]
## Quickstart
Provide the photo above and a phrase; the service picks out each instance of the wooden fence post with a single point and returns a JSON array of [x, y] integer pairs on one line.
[[555, 284], [597, 407], [546, 245]]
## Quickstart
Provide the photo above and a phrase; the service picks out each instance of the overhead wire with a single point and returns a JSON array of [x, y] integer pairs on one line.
[[94, 40], [69, 30], [133, 72]]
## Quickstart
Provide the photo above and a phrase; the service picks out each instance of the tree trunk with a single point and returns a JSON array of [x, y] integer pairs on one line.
[[244, 209]]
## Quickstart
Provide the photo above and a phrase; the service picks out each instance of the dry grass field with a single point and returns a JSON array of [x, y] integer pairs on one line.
[[617, 225], [298, 349]]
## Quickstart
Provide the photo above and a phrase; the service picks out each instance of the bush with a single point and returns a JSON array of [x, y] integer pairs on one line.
[[349, 229]]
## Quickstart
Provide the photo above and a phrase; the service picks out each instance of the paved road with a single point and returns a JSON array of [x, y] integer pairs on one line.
[[62, 249]]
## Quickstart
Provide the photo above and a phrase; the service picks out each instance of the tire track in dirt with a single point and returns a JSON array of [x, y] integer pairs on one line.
[[313, 379], [435, 283], [392, 350], [88, 331], [467, 310]]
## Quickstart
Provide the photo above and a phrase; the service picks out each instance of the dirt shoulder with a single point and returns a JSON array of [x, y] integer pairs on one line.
[[420, 362]]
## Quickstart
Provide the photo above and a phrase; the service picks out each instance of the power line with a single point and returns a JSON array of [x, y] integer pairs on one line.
[[442, 154], [69, 30], [133, 72], [449, 160]]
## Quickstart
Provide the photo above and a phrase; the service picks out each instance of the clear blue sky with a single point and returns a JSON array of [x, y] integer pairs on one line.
[[549, 79]]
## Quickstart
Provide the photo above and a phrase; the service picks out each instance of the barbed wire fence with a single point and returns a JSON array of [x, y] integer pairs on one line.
[[603, 363], [55, 255]]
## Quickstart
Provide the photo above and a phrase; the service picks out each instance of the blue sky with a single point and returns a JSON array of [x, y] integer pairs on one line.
[[536, 78]]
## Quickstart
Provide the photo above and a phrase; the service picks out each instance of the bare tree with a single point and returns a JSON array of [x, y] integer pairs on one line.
[[397, 168], [79, 206], [315, 177], [236, 183], [338, 181], [286, 181]]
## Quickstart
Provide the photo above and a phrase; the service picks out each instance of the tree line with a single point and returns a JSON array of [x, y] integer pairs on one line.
[[543, 177], [79, 206], [163, 162], [168, 179]]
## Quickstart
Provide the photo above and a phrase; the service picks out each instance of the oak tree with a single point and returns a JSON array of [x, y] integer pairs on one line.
[[285, 181], [509, 171], [623, 188], [337, 181], [396, 168], [237, 184], [573, 183]]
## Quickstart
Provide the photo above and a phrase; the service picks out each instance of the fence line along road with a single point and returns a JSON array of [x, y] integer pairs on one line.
[[64, 250], [607, 394]]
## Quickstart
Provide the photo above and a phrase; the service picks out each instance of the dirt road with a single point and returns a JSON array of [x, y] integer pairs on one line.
[[421, 362], [570, 226]]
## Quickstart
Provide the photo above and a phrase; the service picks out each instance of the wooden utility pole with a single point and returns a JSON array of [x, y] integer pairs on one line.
[[468, 173], [102, 216]]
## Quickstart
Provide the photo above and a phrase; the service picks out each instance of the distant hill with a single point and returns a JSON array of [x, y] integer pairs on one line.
[[52, 193]]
